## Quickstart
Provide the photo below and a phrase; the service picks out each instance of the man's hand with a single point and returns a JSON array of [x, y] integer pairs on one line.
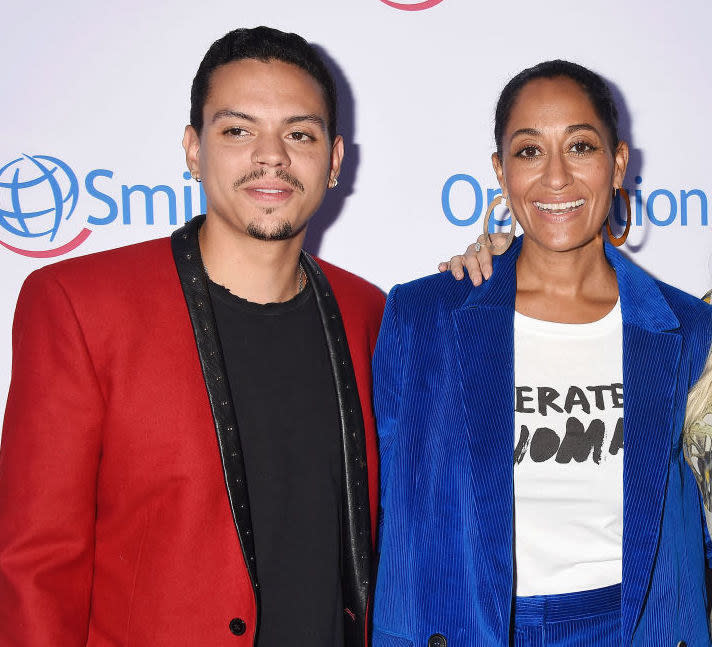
[[477, 259]]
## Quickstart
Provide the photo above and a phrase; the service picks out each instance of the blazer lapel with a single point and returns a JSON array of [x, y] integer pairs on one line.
[[485, 351], [189, 265], [356, 520], [651, 355]]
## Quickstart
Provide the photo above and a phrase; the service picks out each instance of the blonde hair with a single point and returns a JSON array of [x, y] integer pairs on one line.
[[697, 436], [699, 399]]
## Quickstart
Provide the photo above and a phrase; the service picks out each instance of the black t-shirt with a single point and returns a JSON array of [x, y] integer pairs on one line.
[[283, 389]]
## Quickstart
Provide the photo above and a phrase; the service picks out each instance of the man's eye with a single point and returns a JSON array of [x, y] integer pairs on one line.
[[236, 131], [299, 136]]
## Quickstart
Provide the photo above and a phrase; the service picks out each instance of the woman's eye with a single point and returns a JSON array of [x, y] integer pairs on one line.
[[582, 147], [528, 151]]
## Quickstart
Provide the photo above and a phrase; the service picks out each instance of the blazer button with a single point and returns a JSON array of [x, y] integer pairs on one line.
[[437, 640], [238, 626]]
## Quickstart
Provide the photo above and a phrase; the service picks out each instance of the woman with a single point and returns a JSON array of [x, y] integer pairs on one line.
[[512, 514]]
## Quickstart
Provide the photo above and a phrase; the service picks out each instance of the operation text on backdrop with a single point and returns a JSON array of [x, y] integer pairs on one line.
[[662, 207]]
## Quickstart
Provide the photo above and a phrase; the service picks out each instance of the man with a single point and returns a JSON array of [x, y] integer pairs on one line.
[[122, 520]]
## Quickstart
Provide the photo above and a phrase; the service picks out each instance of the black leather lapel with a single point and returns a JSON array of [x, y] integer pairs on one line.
[[189, 263], [356, 521]]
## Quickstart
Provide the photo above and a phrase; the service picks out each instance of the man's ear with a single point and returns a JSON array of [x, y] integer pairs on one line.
[[191, 146], [337, 156]]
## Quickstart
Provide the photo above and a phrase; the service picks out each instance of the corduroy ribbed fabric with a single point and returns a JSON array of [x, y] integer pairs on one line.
[[444, 400], [582, 619]]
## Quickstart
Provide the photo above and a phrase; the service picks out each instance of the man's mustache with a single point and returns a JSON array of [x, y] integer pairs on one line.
[[280, 174]]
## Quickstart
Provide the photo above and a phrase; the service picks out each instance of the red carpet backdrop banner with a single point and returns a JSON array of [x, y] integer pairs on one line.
[[96, 96]]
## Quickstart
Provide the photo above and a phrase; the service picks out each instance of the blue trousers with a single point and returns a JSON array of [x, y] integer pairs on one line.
[[581, 619]]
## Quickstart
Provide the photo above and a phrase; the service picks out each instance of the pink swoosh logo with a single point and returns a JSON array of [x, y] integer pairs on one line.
[[418, 6], [57, 251]]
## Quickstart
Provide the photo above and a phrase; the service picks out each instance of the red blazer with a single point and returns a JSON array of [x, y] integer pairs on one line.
[[116, 527]]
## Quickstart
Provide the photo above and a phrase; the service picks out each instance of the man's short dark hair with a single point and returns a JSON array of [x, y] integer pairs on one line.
[[263, 44]]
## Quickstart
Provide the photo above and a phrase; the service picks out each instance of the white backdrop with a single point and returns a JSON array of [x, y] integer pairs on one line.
[[99, 92]]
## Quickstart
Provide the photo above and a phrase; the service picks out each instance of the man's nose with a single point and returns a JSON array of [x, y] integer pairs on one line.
[[270, 150]]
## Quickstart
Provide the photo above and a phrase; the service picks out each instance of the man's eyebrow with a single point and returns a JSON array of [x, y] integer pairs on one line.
[[232, 114], [315, 119], [296, 119]]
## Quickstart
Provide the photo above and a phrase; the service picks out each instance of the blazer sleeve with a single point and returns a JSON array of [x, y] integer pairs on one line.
[[49, 460]]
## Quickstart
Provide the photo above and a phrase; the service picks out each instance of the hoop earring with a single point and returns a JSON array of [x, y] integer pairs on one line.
[[617, 242], [498, 249]]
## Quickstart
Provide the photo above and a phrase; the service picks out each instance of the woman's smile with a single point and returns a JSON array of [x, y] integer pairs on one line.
[[559, 208]]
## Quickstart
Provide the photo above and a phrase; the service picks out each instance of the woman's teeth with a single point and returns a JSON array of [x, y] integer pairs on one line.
[[559, 207]]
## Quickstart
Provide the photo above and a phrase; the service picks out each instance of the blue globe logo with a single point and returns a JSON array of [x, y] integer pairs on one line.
[[37, 194]]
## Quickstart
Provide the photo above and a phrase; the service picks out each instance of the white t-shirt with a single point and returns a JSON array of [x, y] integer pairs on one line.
[[568, 457]]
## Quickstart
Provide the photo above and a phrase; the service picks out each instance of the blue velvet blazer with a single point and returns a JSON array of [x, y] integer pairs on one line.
[[444, 398]]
